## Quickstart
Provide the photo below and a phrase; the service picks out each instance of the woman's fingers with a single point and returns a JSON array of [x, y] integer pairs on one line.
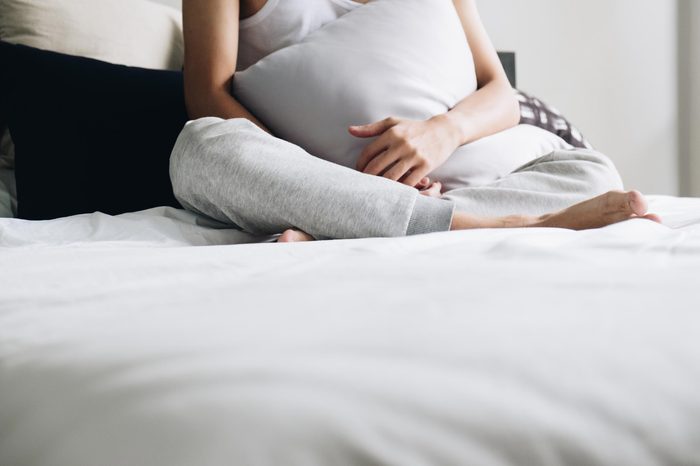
[[378, 164], [417, 173], [372, 149], [394, 165], [373, 129], [398, 170]]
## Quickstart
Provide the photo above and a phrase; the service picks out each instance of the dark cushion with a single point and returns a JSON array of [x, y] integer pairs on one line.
[[535, 112], [89, 135]]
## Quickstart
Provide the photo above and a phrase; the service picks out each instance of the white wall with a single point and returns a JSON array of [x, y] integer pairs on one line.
[[610, 66], [689, 96]]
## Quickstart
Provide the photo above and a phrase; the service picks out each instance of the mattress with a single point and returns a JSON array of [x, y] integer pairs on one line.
[[155, 338]]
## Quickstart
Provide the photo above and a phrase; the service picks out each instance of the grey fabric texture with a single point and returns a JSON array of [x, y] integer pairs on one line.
[[234, 172], [546, 184]]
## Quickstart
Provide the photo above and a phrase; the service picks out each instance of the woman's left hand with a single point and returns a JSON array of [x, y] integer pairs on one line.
[[406, 150]]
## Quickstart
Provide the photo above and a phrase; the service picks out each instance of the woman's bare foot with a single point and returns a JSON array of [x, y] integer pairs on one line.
[[606, 209], [294, 236]]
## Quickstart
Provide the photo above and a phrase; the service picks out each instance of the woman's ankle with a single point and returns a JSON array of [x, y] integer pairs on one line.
[[464, 221]]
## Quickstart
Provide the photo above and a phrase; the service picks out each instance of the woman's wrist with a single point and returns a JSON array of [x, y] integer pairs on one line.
[[453, 128]]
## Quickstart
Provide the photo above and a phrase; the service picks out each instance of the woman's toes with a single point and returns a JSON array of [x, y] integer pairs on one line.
[[286, 237], [305, 237], [294, 236], [637, 203], [653, 218], [621, 204]]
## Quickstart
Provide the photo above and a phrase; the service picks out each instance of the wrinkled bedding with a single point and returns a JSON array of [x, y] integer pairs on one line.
[[122, 344]]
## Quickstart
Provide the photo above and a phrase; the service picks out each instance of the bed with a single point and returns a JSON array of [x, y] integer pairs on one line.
[[162, 339], [155, 338]]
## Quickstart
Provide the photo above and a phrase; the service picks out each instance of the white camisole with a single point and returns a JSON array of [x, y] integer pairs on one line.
[[281, 23]]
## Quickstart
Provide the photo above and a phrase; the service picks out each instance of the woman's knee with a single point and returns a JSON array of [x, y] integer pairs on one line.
[[190, 142], [599, 171], [584, 170], [188, 162], [201, 148]]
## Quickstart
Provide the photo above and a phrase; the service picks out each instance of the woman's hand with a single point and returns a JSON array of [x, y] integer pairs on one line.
[[406, 150]]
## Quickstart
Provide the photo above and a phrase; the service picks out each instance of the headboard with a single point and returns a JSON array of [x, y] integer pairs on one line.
[[508, 61]]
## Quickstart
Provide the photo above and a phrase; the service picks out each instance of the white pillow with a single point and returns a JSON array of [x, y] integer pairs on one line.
[[490, 158], [128, 32], [402, 58]]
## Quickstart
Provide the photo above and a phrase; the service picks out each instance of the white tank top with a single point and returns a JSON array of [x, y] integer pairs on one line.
[[281, 23]]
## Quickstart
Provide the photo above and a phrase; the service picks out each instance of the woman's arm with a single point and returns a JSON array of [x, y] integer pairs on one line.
[[211, 51], [412, 149], [493, 107]]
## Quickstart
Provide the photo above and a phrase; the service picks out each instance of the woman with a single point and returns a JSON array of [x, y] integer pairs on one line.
[[222, 36]]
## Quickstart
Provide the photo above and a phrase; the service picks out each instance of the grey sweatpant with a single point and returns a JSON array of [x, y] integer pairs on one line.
[[233, 172]]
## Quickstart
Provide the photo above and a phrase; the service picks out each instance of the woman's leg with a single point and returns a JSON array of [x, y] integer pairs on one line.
[[575, 189], [605, 209], [544, 185], [234, 172]]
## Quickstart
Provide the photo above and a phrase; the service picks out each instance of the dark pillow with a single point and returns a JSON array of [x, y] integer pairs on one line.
[[535, 112], [89, 135]]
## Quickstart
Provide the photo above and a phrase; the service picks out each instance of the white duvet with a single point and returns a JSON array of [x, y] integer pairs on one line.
[[121, 344]]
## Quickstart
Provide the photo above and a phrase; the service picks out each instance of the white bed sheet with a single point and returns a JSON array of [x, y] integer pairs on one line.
[[122, 345]]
